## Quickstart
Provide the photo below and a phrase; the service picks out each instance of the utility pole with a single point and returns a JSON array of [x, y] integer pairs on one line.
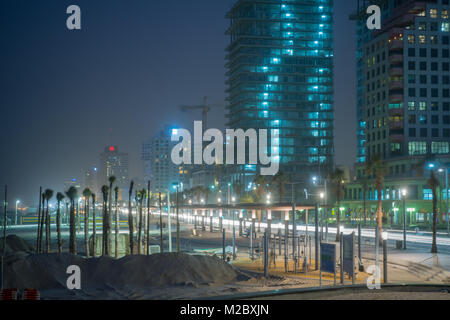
[[168, 220], [161, 224], [316, 236], [178, 223], [404, 192]]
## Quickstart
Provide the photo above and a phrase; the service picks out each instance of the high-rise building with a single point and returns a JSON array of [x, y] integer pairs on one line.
[[404, 81], [403, 103], [91, 180], [403, 96], [280, 77], [113, 163], [158, 166]]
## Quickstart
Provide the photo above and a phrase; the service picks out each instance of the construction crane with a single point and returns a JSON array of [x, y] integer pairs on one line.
[[205, 107]]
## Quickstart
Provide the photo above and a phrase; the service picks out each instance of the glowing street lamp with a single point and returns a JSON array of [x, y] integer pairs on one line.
[[15, 217]]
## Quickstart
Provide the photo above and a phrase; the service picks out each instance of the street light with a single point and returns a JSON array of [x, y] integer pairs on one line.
[[15, 216], [404, 193], [234, 229], [176, 186]]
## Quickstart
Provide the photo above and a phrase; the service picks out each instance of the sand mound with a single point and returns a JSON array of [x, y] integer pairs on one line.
[[48, 271], [16, 244]]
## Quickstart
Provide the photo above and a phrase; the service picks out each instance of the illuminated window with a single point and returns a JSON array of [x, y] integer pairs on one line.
[[433, 13], [445, 27], [411, 39], [422, 39], [444, 14], [439, 147], [417, 148], [422, 106], [427, 194]]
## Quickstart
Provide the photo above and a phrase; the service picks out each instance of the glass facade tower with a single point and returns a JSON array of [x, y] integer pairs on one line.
[[280, 77]]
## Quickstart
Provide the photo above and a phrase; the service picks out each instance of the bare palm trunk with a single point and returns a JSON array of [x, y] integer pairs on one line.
[[72, 240], [39, 222], [104, 231], [41, 231], [86, 226], [365, 210], [434, 248], [58, 227], [94, 229], [147, 230], [140, 229], [380, 217], [47, 230], [130, 219], [116, 240], [109, 223]]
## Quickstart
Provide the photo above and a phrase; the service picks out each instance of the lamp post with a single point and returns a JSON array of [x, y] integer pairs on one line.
[[176, 185], [322, 197], [404, 193], [169, 226], [15, 216], [234, 230]]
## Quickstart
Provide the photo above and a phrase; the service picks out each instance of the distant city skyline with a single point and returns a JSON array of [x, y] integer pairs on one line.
[[117, 80]]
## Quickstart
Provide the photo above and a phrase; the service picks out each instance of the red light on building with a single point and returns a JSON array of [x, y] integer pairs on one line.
[[112, 149]]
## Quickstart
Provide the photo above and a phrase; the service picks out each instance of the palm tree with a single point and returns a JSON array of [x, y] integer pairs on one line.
[[72, 194], [377, 168], [39, 222], [108, 240], [59, 198], [278, 182], [147, 230], [116, 218], [105, 191], [139, 199], [130, 218], [42, 223], [94, 225], [48, 195], [87, 195], [337, 179], [433, 182]]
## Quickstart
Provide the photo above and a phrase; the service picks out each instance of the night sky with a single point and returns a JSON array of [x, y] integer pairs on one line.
[[65, 95]]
